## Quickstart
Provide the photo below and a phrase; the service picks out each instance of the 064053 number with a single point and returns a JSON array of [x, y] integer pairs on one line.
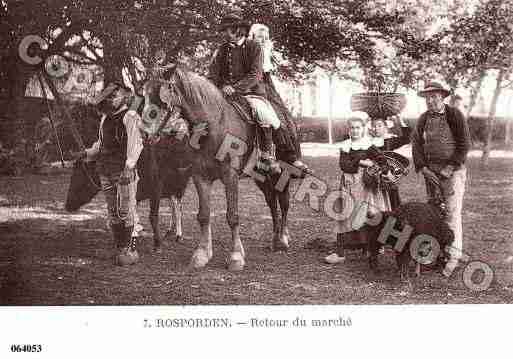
[[26, 348]]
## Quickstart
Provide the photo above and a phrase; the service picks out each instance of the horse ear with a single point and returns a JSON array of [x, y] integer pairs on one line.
[[169, 71]]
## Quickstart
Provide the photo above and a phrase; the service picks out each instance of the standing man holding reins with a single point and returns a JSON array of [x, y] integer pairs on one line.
[[116, 153]]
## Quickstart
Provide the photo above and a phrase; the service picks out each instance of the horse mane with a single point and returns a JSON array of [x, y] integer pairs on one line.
[[200, 94]]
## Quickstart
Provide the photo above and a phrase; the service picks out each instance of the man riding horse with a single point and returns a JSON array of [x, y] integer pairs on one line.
[[237, 70]]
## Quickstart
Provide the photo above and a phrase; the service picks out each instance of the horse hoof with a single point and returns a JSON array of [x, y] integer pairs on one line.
[[236, 262], [280, 247], [199, 259]]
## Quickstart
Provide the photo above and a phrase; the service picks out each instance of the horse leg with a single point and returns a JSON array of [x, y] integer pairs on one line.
[[171, 229], [272, 203], [154, 217], [230, 179], [176, 219], [203, 253], [284, 238]]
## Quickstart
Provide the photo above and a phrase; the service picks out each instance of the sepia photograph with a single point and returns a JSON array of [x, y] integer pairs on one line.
[[215, 158]]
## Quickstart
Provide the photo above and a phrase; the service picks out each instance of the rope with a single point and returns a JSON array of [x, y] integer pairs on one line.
[[119, 199], [51, 120], [74, 132], [71, 124]]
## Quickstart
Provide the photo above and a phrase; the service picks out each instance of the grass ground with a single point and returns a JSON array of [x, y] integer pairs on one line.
[[50, 257]]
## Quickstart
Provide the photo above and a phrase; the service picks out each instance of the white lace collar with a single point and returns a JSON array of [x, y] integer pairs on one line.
[[361, 144]]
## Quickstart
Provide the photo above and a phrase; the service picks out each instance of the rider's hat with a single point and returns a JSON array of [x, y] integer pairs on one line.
[[233, 20]]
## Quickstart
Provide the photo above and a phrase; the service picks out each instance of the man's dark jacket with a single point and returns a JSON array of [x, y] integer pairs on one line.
[[239, 67]]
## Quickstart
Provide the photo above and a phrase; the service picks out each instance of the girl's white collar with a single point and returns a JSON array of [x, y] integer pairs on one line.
[[361, 144]]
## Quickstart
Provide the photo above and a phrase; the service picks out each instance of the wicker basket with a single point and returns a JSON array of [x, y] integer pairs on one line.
[[378, 104]]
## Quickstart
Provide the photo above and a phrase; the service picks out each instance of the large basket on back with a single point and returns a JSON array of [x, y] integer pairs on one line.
[[377, 104]]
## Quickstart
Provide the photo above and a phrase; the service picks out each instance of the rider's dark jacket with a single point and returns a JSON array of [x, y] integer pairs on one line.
[[240, 66]]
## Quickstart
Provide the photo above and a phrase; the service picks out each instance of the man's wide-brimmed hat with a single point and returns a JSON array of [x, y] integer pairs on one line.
[[109, 92], [233, 20], [434, 87]]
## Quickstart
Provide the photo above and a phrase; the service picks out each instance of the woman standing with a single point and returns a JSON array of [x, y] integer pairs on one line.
[[358, 202]]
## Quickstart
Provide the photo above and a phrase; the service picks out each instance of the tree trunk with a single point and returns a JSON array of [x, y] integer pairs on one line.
[[313, 95], [113, 58], [22, 146], [331, 91], [300, 107], [475, 92], [491, 116], [507, 137]]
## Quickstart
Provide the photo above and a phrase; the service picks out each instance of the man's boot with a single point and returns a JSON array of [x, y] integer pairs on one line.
[[286, 147], [269, 163], [338, 256], [128, 253], [118, 235]]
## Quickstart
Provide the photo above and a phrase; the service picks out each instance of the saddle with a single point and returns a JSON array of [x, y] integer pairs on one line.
[[242, 106]]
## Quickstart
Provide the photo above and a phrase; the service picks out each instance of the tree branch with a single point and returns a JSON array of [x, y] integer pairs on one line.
[[77, 61]]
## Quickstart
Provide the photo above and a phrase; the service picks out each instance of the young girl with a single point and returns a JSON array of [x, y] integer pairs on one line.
[[386, 141], [358, 202]]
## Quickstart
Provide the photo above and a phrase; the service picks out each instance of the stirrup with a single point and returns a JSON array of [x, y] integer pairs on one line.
[[268, 164], [305, 170]]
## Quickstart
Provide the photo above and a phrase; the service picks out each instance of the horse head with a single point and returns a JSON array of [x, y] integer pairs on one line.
[[161, 106], [180, 93]]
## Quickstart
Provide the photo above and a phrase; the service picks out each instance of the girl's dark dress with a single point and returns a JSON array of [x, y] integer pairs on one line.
[[391, 144], [357, 199]]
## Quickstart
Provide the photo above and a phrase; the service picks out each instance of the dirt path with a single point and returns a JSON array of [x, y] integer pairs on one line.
[[50, 257]]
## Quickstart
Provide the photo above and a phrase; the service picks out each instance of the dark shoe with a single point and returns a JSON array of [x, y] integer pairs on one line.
[[118, 234], [126, 256]]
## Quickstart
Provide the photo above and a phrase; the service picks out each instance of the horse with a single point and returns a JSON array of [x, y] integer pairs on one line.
[[161, 176], [225, 147], [165, 171]]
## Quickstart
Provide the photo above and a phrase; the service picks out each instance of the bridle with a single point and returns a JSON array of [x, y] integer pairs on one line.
[[170, 107]]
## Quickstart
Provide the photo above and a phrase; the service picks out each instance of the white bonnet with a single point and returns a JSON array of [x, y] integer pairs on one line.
[[257, 27]]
